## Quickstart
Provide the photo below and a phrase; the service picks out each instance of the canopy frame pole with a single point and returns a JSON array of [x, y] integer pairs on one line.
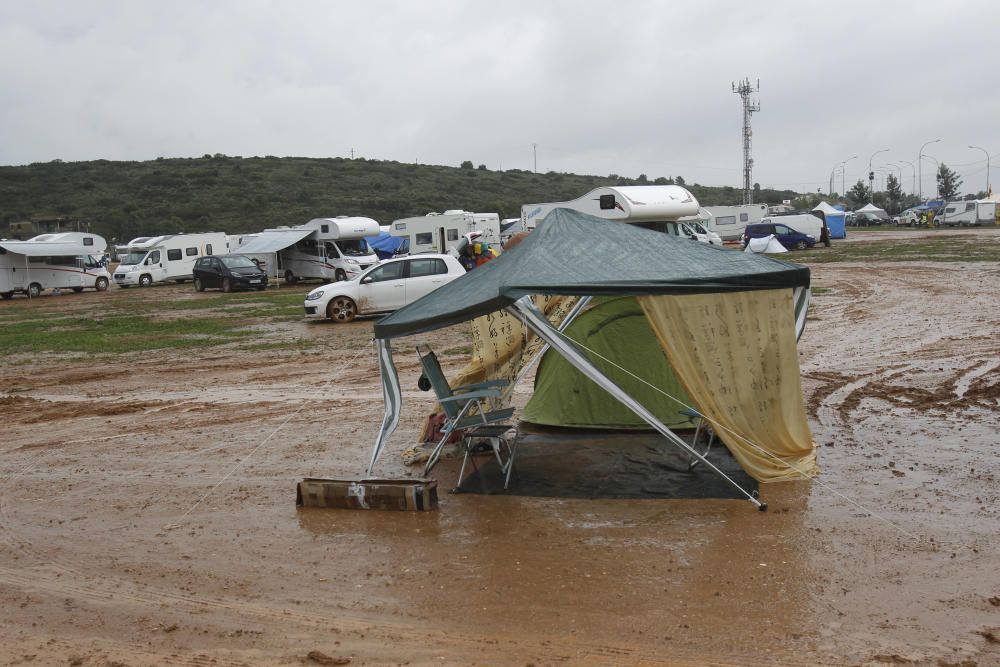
[[391, 396], [578, 307], [537, 322]]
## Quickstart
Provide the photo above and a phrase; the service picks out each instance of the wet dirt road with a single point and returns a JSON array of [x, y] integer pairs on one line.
[[147, 512]]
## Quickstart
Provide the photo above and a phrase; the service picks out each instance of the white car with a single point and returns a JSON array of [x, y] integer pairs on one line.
[[383, 288]]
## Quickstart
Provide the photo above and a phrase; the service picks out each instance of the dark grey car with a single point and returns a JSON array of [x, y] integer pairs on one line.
[[228, 273]]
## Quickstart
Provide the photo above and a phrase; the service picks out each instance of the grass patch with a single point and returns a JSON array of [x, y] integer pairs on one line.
[[945, 249], [118, 335]]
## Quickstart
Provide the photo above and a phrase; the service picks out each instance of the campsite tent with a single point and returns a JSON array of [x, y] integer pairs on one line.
[[726, 321], [871, 211], [835, 220]]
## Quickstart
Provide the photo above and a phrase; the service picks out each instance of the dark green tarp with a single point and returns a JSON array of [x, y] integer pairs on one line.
[[577, 254]]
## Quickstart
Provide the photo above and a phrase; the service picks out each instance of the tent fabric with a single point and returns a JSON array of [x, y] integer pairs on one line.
[[735, 354], [273, 240], [765, 244], [836, 220], [385, 244], [577, 254], [870, 208], [564, 397]]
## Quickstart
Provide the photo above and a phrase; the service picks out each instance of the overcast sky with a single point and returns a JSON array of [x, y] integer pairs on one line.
[[629, 87]]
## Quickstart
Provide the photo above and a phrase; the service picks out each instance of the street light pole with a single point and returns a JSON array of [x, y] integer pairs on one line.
[[920, 165], [914, 170], [843, 175], [987, 167], [871, 175], [937, 168]]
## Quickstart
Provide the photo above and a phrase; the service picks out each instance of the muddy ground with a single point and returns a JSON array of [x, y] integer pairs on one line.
[[147, 511]]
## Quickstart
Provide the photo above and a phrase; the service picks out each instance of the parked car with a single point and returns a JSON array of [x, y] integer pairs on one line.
[[228, 272], [786, 236], [384, 288]]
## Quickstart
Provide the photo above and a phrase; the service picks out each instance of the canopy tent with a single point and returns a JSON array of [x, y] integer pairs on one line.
[[836, 220], [272, 242], [726, 321]]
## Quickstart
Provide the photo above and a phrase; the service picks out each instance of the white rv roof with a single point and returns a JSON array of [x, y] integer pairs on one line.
[[273, 240], [655, 202], [68, 244], [344, 227]]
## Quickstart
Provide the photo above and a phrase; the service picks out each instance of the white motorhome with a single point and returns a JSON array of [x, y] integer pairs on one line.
[[653, 206], [967, 213], [69, 260], [160, 258], [442, 232], [729, 222], [324, 248]]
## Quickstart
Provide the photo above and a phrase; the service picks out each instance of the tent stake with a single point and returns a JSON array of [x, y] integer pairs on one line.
[[537, 322]]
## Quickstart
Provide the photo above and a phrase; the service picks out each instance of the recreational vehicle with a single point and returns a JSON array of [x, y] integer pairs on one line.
[[70, 260], [161, 258], [730, 221], [441, 232], [327, 249], [967, 213], [653, 206]]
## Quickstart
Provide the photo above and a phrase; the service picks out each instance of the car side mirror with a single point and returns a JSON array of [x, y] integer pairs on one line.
[[146, 263], [366, 280]]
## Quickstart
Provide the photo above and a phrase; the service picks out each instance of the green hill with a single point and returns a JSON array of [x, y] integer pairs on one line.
[[123, 200]]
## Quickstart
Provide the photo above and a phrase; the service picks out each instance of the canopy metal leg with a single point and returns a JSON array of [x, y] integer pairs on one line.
[[535, 320]]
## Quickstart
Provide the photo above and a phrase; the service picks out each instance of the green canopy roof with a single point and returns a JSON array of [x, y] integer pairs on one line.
[[577, 254]]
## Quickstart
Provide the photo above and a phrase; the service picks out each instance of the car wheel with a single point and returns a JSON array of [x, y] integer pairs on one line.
[[34, 290], [101, 284], [341, 309], [198, 286], [145, 280], [801, 245], [290, 278], [226, 285], [340, 275], [77, 289], [7, 295]]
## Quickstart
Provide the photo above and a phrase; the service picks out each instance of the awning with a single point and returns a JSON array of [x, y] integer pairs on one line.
[[273, 240], [34, 249]]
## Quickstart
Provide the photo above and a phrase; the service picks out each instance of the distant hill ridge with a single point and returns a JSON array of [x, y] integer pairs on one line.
[[122, 200]]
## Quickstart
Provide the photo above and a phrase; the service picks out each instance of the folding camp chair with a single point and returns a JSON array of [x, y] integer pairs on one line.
[[458, 405], [703, 422]]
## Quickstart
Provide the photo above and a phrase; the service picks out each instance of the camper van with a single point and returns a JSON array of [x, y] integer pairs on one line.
[[730, 221], [326, 249], [69, 260], [967, 214], [442, 232], [653, 206], [161, 258]]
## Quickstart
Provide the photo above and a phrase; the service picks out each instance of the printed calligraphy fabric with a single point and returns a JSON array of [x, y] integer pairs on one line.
[[735, 354]]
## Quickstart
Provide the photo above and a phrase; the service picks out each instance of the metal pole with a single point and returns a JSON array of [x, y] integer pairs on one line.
[[843, 174], [987, 169], [536, 321], [937, 168], [920, 165], [871, 176], [914, 174]]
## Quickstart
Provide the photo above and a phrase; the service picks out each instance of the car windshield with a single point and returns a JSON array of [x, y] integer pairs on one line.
[[357, 248], [698, 228], [134, 257], [237, 262]]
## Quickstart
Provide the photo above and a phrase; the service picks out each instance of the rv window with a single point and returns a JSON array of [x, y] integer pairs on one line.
[[174, 254], [325, 229], [970, 206], [427, 267], [87, 240], [61, 261], [744, 217], [607, 202], [3, 251], [728, 219], [393, 271], [208, 248], [452, 234], [424, 239], [37, 260], [191, 252], [154, 257]]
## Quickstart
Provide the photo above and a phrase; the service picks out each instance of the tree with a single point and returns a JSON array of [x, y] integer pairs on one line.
[[467, 164], [642, 180], [756, 187], [679, 180], [948, 182], [858, 193], [892, 189], [481, 167]]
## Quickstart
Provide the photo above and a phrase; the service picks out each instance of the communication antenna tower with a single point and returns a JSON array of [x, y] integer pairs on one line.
[[744, 90]]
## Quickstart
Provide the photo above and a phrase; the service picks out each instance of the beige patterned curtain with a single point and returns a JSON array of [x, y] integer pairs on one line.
[[735, 354]]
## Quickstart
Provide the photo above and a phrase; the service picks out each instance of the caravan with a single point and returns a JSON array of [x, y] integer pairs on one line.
[[652, 206], [70, 260], [730, 221], [327, 249], [441, 232], [171, 257], [967, 213]]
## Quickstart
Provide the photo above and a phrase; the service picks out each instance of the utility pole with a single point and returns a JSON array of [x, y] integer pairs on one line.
[[987, 154], [920, 167], [534, 153], [744, 90], [352, 153]]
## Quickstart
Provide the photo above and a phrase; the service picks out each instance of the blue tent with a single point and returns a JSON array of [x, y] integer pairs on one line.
[[385, 244], [835, 220]]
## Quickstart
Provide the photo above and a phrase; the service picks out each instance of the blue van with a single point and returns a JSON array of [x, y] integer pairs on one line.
[[786, 236]]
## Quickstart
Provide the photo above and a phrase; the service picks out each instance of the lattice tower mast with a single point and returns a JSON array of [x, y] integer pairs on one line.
[[744, 90]]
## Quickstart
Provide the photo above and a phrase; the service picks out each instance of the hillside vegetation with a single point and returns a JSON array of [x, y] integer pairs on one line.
[[123, 200]]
